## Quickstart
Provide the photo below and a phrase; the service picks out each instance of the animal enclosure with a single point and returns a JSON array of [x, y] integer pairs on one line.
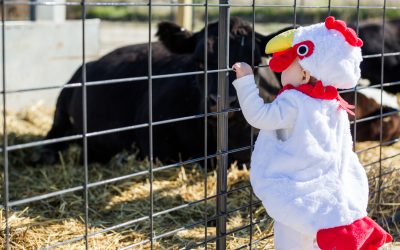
[[181, 181]]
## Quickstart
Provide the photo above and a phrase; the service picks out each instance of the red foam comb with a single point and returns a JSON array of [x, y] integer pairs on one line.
[[348, 33]]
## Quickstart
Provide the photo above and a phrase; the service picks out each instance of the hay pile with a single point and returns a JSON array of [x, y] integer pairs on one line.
[[42, 223]]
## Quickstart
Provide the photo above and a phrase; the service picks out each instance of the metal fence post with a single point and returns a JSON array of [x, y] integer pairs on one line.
[[222, 122], [32, 11], [5, 193]]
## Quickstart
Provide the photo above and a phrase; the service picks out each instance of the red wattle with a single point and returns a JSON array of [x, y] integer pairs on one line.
[[320, 92], [282, 60]]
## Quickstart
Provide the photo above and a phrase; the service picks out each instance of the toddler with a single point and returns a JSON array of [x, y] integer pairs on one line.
[[303, 167]]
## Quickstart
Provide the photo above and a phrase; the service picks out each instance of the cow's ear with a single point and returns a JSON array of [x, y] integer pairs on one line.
[[261, 40], [175, 38]]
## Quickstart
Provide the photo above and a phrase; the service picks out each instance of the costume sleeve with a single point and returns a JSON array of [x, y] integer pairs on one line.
[[280, 114]]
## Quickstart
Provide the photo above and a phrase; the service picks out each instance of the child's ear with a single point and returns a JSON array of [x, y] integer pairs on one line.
[[306, 76]]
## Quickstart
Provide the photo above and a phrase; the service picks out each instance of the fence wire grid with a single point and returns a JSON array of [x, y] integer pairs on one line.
[[219, 219]]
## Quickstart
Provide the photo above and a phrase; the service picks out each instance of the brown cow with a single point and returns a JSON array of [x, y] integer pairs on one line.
[[368, 105]]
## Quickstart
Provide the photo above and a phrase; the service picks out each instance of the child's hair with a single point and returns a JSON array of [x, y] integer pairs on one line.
[[312, 80]]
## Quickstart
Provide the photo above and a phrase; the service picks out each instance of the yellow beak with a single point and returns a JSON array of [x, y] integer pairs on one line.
[[281, 42]]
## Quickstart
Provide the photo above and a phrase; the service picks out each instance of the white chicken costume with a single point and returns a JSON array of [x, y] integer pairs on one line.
[[303, 168]]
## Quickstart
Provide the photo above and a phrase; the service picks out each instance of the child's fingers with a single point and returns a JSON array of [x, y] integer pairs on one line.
[[236, 66]]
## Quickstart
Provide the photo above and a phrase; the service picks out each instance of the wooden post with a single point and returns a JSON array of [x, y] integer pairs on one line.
[[184, 16]]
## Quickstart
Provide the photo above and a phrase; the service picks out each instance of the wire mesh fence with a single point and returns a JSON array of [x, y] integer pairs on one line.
[[210, 205]]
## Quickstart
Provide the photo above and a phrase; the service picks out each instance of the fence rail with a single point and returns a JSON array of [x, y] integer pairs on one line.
[[223, 110]]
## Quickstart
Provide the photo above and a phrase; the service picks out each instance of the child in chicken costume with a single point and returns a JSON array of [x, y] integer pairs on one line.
[[303, 167]]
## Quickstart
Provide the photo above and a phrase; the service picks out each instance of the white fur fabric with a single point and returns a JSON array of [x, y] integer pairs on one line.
[[334, 61], [313, 180], [286, 238]]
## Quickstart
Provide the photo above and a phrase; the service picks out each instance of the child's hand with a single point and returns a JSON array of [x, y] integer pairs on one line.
[[242, 69]]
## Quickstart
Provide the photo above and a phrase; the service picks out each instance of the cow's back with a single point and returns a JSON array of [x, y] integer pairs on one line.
[[126, 103]]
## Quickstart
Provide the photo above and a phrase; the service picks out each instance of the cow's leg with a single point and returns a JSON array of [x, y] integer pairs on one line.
[[62, 123], [62, 126]]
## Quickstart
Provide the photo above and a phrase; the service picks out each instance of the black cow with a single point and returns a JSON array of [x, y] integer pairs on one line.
[[111, 106], [371, 33]]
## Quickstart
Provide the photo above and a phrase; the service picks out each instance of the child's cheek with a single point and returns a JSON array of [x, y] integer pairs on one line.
[[284, 78]]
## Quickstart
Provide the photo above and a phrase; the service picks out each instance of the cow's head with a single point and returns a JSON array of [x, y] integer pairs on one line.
[[181, 41]]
